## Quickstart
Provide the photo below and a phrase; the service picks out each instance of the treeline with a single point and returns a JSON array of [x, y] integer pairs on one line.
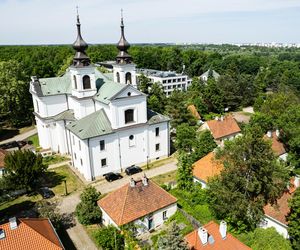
[[246, 71]]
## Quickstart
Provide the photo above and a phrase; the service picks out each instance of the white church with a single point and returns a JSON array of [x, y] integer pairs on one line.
[[100, 120]]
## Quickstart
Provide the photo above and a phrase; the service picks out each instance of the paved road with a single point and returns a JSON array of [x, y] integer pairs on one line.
[[77, 233], [21, 137]]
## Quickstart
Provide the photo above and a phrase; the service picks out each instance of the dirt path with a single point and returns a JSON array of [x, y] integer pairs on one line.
[[77, 233]]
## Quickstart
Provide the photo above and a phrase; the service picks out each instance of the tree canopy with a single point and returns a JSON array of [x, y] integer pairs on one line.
[[294, 220]]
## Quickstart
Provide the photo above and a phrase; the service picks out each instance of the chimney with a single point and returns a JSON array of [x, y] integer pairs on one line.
[[203, 235], [145, 180], [132, 182], [216, 118], [222, 118], [297, 181], [277, 133], [13, 223], [269, 134], [223, 229]]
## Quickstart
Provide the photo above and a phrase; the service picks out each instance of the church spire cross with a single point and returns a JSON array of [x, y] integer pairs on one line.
[[80, 59], [123, 45]]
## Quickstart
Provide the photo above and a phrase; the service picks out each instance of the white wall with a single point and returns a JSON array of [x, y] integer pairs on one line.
[[81, 107], [162, 139], [280, 228]]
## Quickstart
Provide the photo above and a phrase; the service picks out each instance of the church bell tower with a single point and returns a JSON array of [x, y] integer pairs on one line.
[[124, 70], [82, 71]]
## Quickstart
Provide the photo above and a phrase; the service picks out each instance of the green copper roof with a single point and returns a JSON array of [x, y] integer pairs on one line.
[[154, 117], [56, 85], [92, 125]]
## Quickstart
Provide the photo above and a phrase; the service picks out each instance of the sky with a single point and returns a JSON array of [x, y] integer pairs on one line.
[[150, 21]]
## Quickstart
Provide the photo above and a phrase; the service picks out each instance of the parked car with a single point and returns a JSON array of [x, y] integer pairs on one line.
[[112, 176], [46, 192], [133, 170]]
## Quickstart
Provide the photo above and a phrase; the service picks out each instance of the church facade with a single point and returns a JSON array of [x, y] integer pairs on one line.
[[100, 120]]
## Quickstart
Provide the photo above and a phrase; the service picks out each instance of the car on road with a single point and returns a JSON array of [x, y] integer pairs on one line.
[[133, 170], [46, 192], [112, 176]]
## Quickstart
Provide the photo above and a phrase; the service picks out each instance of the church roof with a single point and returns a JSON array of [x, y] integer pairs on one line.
[[67, 115], [56, 85], [92, 125], [154, 117]]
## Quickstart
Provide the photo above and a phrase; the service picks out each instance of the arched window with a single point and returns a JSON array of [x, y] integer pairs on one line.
[[128, 78], [118, 77], [86, 82], [75, 82], [129, 115]]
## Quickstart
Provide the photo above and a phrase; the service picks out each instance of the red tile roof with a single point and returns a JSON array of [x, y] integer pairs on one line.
[[128, 203], [194, 111], [223, 128], [280, 210], [277, 146], [31, 234], [229, 243], [2, 156], [207, 167]]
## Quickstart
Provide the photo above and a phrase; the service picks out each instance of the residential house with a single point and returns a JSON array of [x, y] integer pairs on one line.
[[277, 145], [3, 153], [222, 129], [206, 168], [29, 234], [209, 73], [141, 202], [214, 237], [275, 215]]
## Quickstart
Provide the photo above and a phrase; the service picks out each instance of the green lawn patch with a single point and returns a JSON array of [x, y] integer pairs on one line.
[[165, 178], [181, 220], [194, 203], [34, 140], [53, 159], [158, 163]]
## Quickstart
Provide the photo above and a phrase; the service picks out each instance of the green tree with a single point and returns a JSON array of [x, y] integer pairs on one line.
[[266, 239], [204, 144], [15, 101], [87, 211], [173, 240], [185, 137], [252, 178], [109, 238], [23, 169], [144, 84], [157, 98], [184, 171], [294, 220], [213, 97]]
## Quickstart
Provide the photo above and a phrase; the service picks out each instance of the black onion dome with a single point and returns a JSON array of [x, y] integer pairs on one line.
[[80, 58], [123, 46]]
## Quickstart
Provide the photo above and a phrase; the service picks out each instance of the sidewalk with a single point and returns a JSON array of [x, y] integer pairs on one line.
[[21, 137]]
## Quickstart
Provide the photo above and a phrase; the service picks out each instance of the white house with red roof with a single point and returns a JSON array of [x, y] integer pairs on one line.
[[214, 237], [29, 234], [141, 202], [277, 146], [275, 215], [222, 129]]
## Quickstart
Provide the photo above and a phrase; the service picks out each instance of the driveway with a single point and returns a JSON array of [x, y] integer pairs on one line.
[[77, 233]]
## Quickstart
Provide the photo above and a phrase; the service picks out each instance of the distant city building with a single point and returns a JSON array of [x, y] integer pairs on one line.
[[141, 202], [101, 120], [209, 73], [168, 79]]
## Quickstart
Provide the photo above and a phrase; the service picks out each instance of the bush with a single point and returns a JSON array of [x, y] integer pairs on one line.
[[87, 211], [109, 238]]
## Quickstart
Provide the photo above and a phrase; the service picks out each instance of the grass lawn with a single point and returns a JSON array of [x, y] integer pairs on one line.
[[194, 203], [53, 159], [35, 140], [165, 178], [61, 174], [159, 163]]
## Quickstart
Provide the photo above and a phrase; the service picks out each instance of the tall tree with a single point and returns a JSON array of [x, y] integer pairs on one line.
[[185, 137], [144, 83], [23, 169], [109, 238], [185, 171], [204, 144], [252, 178], [173, 240], [157, 99], [294, 220]]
